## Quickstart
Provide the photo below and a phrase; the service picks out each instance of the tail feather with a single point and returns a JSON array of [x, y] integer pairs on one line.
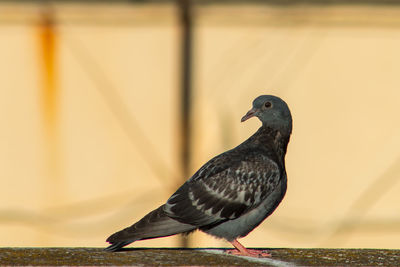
[[116, 246], [153, 225]]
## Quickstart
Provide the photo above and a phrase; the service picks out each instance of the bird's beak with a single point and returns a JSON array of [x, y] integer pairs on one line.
[[249, 114]]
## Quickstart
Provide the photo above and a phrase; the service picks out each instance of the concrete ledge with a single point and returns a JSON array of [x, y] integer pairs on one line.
[[199, 257]]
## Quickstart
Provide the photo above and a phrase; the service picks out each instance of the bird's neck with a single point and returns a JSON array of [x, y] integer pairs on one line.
[[270, 138]]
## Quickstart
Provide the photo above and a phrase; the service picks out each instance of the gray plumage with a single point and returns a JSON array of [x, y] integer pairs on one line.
[[232, 193]]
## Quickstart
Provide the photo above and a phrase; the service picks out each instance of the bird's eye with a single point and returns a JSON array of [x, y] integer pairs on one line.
[[268, 104]]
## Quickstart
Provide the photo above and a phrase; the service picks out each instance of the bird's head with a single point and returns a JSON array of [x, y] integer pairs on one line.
[[272, 111]]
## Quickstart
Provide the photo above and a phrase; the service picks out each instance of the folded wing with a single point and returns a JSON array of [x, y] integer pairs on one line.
[[225, 188]]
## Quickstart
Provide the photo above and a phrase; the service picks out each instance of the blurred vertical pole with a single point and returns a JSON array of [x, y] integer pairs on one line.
[[47, 44], [185, 19]]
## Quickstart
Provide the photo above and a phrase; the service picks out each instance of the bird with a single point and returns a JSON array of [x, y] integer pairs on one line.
[[232, 193]]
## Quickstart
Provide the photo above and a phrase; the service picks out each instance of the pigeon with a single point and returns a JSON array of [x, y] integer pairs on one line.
[[232, 193]]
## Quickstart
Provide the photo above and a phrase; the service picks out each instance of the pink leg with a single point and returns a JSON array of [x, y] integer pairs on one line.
[[242, 251]]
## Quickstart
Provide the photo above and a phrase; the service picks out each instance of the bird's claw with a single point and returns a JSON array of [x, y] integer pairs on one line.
[[249, 253]]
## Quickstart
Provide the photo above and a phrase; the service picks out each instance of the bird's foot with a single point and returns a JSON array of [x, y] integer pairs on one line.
[[242, 251], [255, 253]]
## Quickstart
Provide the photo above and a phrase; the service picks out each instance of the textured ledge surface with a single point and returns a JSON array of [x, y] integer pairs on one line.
[[198, 257]]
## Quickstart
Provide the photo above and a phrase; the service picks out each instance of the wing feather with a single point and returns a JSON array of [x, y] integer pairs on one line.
[[226, 187]]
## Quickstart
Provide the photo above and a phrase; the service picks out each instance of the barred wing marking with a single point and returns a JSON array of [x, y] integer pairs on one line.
[[224, 188]]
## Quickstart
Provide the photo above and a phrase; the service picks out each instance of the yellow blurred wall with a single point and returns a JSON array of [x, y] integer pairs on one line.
[[338, 67]]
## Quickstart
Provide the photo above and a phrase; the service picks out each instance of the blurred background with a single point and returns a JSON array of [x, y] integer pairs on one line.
[[106, 107]]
